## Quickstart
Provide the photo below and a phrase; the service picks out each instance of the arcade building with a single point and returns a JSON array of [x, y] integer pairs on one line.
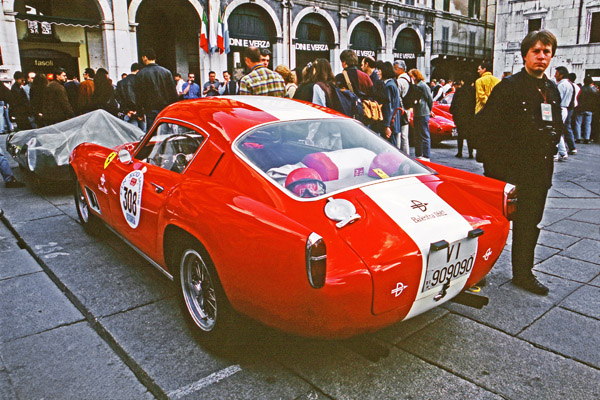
[[440, 37]]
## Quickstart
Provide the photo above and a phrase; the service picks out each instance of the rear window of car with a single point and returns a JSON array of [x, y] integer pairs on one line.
[[311, 158]]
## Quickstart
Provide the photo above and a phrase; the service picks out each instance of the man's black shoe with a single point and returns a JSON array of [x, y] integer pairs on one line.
[[531, 284], [13, 183], [577, 140], [458, 155]]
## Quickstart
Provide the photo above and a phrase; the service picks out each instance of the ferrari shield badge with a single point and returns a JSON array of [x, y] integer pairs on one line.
[[109, 159], [131, 197]]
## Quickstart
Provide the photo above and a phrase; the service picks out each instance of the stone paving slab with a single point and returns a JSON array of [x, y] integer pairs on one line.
[[574, 204], [585, 300], [7, 240], [6, 388], [161, 342], [52, 235], [570, 334], [502, 270], [402, 330], [511, 309], [591, 186], [586, 216], [502, 363], [569, 268], [106, 281], [577, 228], [38, 365], [343, 374], [31, 304], [17, 262], [29, 209], [557, 240], [585, 249], [552, 215]]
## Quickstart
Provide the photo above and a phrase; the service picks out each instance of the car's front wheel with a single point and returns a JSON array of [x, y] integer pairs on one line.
[[90, 222], [202, 294]]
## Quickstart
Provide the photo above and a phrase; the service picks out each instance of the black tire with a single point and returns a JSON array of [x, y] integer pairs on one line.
[[203, 300], [89, 221]]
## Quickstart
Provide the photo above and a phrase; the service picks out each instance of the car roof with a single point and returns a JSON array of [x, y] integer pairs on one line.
[[233, 115]]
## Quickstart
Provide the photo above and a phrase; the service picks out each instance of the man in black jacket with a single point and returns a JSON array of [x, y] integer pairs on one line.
[[20, 109], [154, 88], [125, 96], [520, 127]]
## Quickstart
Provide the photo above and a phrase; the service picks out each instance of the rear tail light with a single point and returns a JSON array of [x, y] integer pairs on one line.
[[316, 260], [510, 201]]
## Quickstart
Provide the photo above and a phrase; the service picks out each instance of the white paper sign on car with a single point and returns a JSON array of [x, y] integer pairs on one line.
[[131, 197]]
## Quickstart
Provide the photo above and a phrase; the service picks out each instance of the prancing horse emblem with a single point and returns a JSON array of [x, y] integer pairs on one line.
[[487, 254], [399, 289], [419, 205]]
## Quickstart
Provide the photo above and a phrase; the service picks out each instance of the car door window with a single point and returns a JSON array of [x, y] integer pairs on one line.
[[171, 146]]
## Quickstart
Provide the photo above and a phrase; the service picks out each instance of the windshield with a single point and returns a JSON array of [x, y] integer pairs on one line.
[[311, 158]]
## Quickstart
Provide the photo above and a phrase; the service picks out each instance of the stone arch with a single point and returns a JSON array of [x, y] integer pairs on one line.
[[135, 5], [373, 21], [323, 13], [409, 26], [103, 6], [262, 3]]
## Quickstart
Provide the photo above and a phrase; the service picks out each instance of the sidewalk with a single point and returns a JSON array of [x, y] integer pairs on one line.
[[75, 324]]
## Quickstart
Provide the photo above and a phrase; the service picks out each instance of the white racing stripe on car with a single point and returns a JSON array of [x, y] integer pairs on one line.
[[204, 382], [427, 219], [282, 109]]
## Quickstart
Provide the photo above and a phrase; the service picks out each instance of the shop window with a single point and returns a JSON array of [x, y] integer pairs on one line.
[[595, 28], [410, 2], [446, 5], [534, 24]]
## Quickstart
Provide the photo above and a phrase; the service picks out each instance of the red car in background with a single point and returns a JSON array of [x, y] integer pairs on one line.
[[292, 214]]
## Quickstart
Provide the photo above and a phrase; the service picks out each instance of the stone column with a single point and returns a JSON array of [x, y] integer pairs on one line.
[[10, 44], [123, 52], [389, 40], [336, 64]]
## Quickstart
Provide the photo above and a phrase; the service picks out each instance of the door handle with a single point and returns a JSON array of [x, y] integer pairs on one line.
[[157, 188]]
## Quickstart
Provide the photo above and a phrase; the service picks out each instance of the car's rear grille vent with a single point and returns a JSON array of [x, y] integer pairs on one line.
[[93, 200]]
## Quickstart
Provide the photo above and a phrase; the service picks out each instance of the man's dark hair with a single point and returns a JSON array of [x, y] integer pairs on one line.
[[18, 75], [177, 75], [487, 65], [370, 62], [58, 71], [227, 72], [211, 72], [349, 57], [587, 80], [572, 77], [563, 71], [90, 72], [135, 67], [149, 53], [253, 54], [544, 36], [265, 52]]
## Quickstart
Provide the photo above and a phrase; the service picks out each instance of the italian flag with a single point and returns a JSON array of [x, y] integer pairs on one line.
[[220, 43], [204, 33]]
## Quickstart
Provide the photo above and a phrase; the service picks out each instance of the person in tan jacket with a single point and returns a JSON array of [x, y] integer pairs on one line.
[[484, 85]]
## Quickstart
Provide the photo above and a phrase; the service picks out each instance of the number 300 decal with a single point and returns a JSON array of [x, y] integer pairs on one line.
[[131, 197]]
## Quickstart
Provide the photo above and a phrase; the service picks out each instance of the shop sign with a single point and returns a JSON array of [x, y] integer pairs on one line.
[[249, 43], [39, 28], [365, 53], [312, 46], [406, 56], [43, 62]]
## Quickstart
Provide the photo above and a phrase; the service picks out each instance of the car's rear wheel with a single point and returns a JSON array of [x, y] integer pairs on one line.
[[202, 294], [90, 222]]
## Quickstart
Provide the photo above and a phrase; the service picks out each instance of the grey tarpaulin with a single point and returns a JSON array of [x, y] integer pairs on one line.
[[45, 151]]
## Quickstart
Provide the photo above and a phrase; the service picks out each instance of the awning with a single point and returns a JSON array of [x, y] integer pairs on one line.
[[84, 23]]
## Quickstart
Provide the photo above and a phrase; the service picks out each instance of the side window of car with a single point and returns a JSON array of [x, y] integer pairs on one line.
[[171, 147]]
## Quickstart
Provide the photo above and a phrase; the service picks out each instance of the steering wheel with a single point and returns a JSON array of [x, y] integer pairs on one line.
[[169, 162]]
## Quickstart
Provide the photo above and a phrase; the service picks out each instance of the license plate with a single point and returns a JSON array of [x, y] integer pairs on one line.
[[454, 132], [450, 263]]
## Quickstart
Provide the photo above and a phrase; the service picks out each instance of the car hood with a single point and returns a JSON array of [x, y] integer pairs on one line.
[[400, 220]]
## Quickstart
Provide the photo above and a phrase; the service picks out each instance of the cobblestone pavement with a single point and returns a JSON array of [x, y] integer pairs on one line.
[[84, 317]]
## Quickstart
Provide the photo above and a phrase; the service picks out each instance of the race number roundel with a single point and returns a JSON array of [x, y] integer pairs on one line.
[[131, 197]]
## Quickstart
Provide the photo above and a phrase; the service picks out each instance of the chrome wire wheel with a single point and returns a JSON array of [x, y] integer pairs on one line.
[[82, 205], [199, 291]]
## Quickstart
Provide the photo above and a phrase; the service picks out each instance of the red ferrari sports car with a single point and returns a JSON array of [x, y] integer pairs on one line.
[[441, 125], [292, 214]]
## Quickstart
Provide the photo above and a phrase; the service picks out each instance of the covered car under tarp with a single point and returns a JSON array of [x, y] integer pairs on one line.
[[45, 151]]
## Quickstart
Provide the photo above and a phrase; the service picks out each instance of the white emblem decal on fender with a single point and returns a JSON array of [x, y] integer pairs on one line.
[[487, 254], [399, 289], [131, 197]]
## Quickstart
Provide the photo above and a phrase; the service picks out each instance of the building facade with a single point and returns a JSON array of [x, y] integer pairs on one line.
[[440, 37], [576, 25]]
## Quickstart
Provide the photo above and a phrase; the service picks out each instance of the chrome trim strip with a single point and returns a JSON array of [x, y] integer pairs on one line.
[[152, 262]]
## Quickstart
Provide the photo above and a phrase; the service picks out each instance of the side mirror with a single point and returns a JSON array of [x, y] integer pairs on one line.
[[124, 156]]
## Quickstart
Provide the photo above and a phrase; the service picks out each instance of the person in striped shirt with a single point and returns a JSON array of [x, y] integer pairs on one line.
[[260, 80]]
